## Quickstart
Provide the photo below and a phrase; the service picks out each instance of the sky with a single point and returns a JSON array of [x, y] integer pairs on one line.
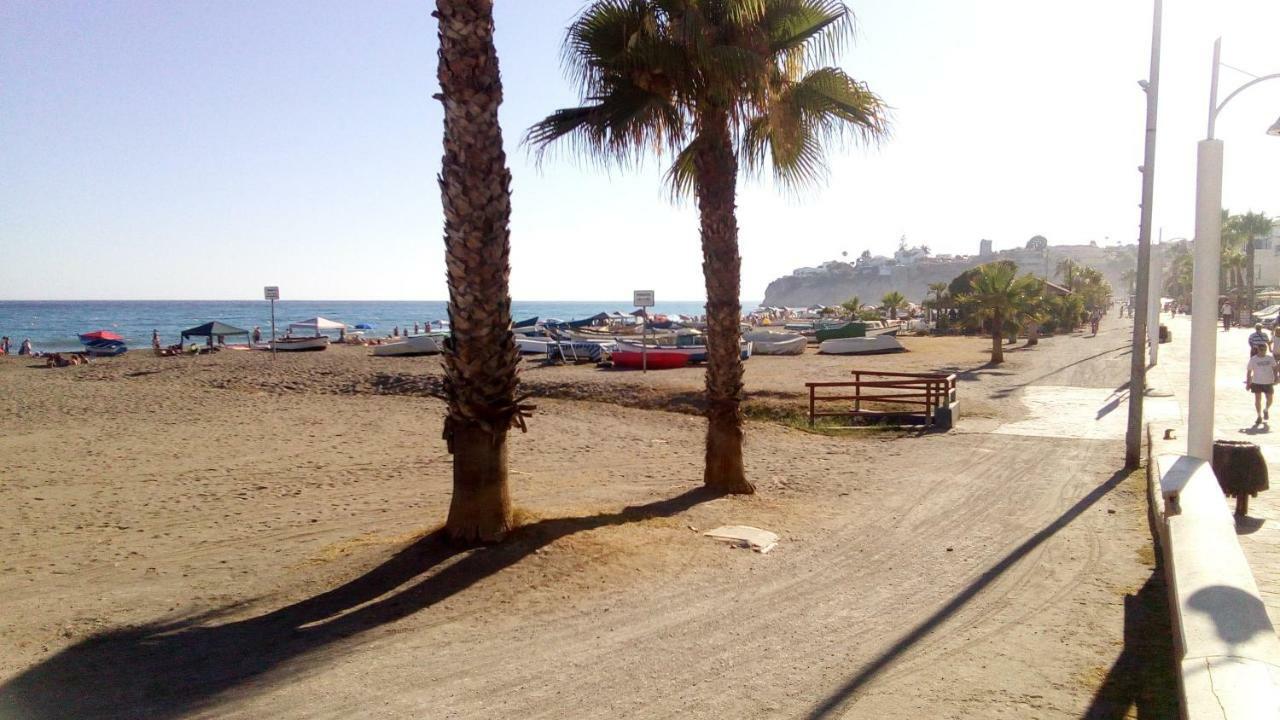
[[202, 150]]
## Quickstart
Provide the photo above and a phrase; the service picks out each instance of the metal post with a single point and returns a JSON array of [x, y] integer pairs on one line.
[[273, 329], [644, 341], [1153, 307], [1137, 360], [1204, 302]]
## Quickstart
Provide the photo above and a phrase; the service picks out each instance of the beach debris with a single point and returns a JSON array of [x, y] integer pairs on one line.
[[762, 541]]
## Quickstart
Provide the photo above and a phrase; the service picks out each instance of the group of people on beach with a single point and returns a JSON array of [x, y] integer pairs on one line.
[[23, 349]]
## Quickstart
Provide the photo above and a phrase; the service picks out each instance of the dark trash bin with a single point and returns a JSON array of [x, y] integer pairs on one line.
[[1241, 471], [1165, 335]]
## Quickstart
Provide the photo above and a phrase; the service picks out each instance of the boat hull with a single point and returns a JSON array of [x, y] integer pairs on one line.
[[652, 359], [300, 344], [874, 345], [786, 346], [411, 345]]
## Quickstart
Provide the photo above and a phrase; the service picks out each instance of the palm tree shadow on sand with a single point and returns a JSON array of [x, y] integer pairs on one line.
[[169, 668]]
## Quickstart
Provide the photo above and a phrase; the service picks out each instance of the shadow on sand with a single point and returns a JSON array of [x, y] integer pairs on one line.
[[1142, 680], [832, 705], [167, 669]]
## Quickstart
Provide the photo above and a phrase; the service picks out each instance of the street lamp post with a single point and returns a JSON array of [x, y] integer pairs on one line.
[[1137, 361], [1204, 301]]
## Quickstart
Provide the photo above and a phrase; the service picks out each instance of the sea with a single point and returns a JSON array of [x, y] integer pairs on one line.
[[54, 325]]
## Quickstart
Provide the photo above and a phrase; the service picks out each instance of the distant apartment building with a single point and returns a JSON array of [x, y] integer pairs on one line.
[[1266, 260]]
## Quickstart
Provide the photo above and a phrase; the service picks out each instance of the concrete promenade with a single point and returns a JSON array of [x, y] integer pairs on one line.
[[1259, 531]]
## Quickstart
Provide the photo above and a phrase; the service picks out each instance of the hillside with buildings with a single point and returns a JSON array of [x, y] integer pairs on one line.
[[911, 270]]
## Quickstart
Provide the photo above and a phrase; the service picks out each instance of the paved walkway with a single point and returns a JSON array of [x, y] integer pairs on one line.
[[1259, 532]]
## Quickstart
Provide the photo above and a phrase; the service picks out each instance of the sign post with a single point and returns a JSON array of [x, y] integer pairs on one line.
[[272, 293], [643, 299]]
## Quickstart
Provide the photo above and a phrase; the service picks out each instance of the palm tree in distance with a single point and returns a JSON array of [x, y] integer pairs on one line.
[[892, 302], [853, 305], [997, 296], [937, 289], [1066, 270], [475, 185], [714, 83]]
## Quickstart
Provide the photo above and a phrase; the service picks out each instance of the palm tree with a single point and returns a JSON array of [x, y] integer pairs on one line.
[[714, 83], [1066, 270], [1034, 309], [996, 296], [1129, 276], [937, 289], [475, 186], [892, 302], [853, 305]]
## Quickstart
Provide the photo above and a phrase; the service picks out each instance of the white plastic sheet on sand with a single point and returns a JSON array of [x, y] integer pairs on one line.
[[762, 541]]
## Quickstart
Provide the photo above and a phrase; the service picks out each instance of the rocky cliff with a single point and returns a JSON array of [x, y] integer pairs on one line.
[[834, 282]]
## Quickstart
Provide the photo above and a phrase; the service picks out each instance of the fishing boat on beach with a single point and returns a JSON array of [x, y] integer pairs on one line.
[[772, 342], [654, 358], [299, 344], [874, 345], [411, 345]]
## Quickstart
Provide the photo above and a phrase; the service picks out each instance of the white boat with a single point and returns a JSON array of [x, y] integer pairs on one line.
[[412, 345], [533, 345], [776, 343], [873, 345], [298, 344]]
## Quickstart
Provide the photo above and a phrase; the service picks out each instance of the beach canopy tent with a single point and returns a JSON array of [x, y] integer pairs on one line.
[[317, 325], [213, 329]]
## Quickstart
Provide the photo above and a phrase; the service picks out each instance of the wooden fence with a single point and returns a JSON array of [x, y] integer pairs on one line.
[[930, 391]]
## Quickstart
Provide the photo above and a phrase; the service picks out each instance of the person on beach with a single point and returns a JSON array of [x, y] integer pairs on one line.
[[4, 345], [415, 328], [257, 335], [1260, 379], [155, 339], [25, 348], [1228, 313], [1258, 338]]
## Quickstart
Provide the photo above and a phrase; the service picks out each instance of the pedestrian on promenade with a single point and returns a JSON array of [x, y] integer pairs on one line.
[[1258, 338], [1094, 319], [1228, 313], [1260, 379]]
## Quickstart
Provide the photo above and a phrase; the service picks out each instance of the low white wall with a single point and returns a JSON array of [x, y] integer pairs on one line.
[[1228, 652]]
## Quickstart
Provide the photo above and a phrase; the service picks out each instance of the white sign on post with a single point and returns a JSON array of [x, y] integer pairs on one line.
[[642, 298], [271, 292]]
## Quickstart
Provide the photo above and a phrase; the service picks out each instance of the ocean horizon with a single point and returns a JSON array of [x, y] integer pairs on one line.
[[53, 325]]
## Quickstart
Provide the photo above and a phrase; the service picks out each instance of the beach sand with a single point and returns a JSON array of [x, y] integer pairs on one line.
[[232, 536]]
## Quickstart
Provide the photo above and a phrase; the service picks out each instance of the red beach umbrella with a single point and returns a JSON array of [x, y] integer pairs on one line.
[[100, 335]]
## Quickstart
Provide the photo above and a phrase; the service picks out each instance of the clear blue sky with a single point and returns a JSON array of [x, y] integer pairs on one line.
[[205, 149]]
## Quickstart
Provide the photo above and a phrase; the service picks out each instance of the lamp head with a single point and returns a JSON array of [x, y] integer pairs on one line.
[[1275, 128], [1144, 85]]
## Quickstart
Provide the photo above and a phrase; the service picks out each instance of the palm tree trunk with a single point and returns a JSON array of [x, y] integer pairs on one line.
[[475, 186], [997, 339], [717, 174], [1033, 333]]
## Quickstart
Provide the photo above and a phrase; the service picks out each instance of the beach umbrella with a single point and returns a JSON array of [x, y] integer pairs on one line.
[[100, 335]]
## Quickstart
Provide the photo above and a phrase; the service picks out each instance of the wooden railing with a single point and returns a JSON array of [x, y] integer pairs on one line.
[[930, 391]]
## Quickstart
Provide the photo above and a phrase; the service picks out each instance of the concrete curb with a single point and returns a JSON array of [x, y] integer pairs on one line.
[[1228, 651]]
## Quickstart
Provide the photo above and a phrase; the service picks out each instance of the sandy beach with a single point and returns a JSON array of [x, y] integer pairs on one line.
[[232, 536]]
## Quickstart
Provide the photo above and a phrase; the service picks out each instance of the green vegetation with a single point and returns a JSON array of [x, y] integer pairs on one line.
[[711, 83], [892, 302]]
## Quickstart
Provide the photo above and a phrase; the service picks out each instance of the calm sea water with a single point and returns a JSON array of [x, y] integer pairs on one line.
[[54, 325]]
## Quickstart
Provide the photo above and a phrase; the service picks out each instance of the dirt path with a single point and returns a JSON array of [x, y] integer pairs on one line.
[[253, 555]]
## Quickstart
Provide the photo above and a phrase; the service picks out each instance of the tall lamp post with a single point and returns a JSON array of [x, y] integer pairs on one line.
[[1204, 296], [1137, 361]]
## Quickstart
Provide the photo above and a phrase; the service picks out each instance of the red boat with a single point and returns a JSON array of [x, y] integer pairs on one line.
[[657, 359]]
